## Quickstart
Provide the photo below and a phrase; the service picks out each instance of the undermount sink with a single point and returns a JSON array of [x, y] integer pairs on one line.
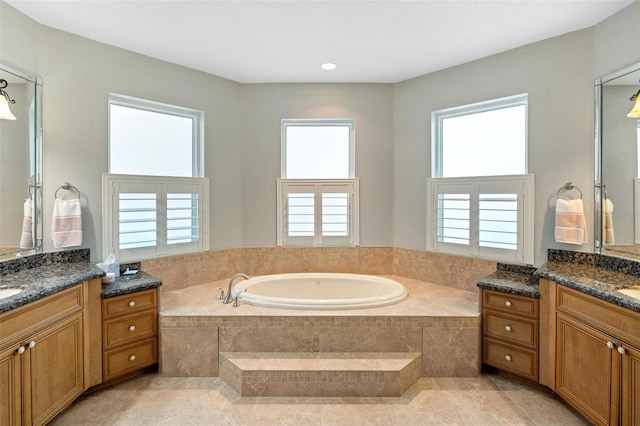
[[632, 292], [8, 292]]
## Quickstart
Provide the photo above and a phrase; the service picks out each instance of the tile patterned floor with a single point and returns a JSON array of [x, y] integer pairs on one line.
[[154, 400]]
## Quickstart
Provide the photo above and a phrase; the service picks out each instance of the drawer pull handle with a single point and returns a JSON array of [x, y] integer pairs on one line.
[[621, 350], [508, 303], [508, 328], [508, 358], [132, 303], [32, 344], [610, 345], [21, 350], [132, 358], [132, 328]]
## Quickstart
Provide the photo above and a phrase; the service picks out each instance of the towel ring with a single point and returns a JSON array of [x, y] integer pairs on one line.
[[67, 187], [568, 187]]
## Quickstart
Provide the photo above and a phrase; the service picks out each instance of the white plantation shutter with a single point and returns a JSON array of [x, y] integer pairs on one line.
[[488, 217], [318, 212], [151, 216]]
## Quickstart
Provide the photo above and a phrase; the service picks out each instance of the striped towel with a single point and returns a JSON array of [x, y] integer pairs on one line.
[[607, 222], [26, 238], [571, 225], [66, 226]]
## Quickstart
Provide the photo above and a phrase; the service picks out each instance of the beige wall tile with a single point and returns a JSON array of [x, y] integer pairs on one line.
[[451, 352], [189, 351]]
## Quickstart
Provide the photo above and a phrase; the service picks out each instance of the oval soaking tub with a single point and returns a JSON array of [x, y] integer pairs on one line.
[[319, 291]]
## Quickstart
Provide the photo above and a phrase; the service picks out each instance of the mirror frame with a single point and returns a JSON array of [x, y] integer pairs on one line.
[[599, 185], [36, 143]]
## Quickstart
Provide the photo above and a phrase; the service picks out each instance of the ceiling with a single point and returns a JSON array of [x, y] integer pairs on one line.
[[286, 41]]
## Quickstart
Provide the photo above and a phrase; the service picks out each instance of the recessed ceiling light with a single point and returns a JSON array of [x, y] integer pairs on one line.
[[328, 66]]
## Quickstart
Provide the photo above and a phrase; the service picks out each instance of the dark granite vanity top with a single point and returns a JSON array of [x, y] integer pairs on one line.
[[50, 276], [514, 279], [37, 283], [598, 275], [593, 280], [130, 284]]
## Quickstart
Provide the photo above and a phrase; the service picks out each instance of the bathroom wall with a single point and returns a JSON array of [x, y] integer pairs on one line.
[[264, 105], [392, 125], [556, 73], [617, 41], [78, 74]]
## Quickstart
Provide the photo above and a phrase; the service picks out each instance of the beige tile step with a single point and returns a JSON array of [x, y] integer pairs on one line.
[[320, 374]]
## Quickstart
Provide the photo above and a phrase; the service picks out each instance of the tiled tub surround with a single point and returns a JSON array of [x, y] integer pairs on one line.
[[183, 271], [440, 323]]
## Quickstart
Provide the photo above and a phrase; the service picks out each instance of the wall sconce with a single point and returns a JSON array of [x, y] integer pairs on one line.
[[635, 112], [5, 100]]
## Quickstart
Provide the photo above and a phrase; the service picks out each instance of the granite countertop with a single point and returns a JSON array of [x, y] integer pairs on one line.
[[126, 284], [596, 281], [512, 279], [37, 283]]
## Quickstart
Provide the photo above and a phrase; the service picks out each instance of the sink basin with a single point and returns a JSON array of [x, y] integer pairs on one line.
[[8, 292], [633, 292]]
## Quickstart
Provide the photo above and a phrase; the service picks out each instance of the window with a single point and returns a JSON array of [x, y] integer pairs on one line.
[[150, 138], [155, 202], [150, 216], [318, 212], [488, 217], [480, 197], [482, 139], [318, 196]]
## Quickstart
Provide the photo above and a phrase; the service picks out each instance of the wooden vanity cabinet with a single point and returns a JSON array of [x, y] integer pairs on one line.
[[597, 360], [41, 358], [510, 333], [129, 333]]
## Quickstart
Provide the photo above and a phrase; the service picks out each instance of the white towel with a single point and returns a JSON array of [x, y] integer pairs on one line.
[[571, 225], [26, 238], [66, 226], [607, 222]]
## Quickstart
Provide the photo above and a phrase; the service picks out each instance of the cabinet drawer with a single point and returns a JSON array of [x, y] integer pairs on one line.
[[128, 303], [514, 330], [37, 315], [512, 303], [129, 328], [129, 358], [519, 361]]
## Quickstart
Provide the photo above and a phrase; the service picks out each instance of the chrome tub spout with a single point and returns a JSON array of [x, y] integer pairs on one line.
[[227, 296]]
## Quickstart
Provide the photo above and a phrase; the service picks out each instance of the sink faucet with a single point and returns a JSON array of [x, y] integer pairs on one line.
[[227, 297]]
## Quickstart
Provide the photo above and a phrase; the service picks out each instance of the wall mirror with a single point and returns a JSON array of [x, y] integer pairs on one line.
[[21, 166], [617, 224]]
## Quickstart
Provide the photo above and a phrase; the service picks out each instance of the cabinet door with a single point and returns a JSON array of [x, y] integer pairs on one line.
[[630, 386], [587, 370], [10, 386], [55, 370]]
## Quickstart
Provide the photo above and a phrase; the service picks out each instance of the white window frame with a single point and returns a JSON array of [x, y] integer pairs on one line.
[[318, 122], [522, 185], [318, 187], [437, 117], [113, 184], [162, 108]]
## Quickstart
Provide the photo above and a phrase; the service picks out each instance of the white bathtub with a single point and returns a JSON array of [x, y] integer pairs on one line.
[[319, 291]]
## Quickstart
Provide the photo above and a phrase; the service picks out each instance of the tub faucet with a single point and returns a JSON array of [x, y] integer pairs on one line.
[[227, 297]]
